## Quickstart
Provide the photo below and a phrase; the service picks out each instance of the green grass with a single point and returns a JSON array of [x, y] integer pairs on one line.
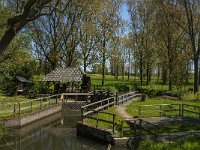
[[132, 108], [186, 144], [12, 99], [96, 79], [180, 128]]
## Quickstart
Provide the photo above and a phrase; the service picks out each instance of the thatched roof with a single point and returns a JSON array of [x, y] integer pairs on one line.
[[64, 75], [22, 79]]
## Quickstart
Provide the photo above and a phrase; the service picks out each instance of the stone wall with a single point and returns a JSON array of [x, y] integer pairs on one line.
[[95, 134], [29, 118]]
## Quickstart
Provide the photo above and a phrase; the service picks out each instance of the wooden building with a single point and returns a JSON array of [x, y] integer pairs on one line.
[[65, 79], [22, 84]]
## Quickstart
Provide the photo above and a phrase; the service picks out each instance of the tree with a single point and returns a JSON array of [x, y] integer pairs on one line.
[[107, 21], [32, 10], [141, 13]]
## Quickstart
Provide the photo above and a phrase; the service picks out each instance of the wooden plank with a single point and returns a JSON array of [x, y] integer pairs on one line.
[[102, 120], [79, 94], [194, 112]]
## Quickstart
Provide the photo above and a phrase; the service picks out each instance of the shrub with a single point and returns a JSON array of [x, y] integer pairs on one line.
[[122, 87], [191, 97]]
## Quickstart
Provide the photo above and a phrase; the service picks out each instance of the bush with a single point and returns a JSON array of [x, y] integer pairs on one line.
[[191, 97], [39, 87], [122, 87]]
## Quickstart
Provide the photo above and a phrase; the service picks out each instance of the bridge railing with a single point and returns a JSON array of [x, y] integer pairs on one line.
[[183, 110], [190, 111], [99, 119], [159, 109], [17, 109], [127, 97], [139, 127], [108, 102], [99, 105]]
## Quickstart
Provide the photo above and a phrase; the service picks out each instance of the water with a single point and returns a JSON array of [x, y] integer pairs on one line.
[[56, 132]]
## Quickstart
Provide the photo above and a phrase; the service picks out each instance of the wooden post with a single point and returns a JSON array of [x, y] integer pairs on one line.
[[82, 114], [122, 128], [182, 109], [49, 102], [56, 99], [94, 90], [179, 109], [116, 99], [160, 110], [72, 86], [139, 109], [19, 109], [31, 106], [65, 98], [155, 133], [199, 112], [76, 98], [97, 119], [40, 103], [14, 110], [114, 123], [79, 86], [135, 131], [140, 127]]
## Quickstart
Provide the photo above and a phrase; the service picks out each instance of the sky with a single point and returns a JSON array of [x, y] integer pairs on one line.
[[124, 13]]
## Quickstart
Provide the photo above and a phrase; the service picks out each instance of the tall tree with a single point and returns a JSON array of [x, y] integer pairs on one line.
[[32, 10]]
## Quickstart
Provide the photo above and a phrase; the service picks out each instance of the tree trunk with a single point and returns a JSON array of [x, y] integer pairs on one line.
[[196, 66], [103, 68], [141, 73], [123, 71], [148, 74], [84, 65], [158, 75], [129, 65], [16, 23], [6, 39], [164, 76]]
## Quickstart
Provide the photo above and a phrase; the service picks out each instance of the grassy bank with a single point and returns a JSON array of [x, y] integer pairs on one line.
[[186, 144], [132, 109]]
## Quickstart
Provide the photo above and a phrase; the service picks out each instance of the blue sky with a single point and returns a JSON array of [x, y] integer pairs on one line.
[[124, 13]]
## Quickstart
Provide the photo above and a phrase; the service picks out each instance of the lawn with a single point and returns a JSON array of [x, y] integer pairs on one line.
[[12, 99], [186, 144], [132, 108]]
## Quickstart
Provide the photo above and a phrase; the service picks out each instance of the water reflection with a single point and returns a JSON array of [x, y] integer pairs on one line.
[[56, 132]]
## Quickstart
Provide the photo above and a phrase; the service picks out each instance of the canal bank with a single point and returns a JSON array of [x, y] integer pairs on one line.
[[55, 132]]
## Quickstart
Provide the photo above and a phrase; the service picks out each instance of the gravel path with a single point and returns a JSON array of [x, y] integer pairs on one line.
[[122, 112]]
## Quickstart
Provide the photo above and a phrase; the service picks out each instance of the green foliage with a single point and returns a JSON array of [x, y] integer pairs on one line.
[[122, 87], [191, 97], [152, 90], [3, 131], [113, 84], [39, 87], [97, 68]]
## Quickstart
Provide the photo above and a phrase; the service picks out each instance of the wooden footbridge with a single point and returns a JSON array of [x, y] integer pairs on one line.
[[25, 112]]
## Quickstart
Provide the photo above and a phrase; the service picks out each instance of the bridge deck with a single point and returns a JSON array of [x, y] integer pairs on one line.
[[160, 121]]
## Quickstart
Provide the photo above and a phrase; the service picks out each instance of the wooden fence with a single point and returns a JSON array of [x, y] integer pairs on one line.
[[139, 127], [97, 119], [17, 109], [183, 110], [108, 102], [92, 111]]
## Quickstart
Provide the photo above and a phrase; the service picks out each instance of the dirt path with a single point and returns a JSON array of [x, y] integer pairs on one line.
[[122, 112]]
